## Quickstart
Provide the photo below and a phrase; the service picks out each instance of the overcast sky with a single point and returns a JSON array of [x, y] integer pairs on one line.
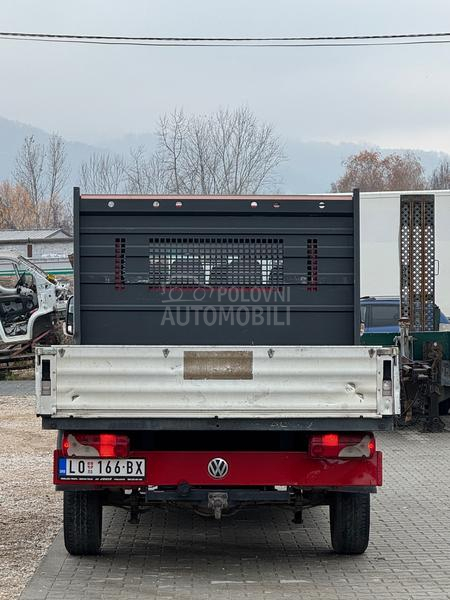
[[392, 96]]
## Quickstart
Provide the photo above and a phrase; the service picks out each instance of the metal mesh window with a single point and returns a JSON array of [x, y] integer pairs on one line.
[[119, 263], [312, 265], [215, 261]]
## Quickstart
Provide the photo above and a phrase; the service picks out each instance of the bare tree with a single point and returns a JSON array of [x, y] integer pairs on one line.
[[228, 152], [172, 139], [104, 174], [440, 178], [29, 169], [57, 176], [42, 172], [156, 180], [145, 175], [370, 171], [136, 170], [57, 168]]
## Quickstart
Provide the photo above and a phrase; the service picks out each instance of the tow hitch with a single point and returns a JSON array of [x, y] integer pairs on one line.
[[217, 501]]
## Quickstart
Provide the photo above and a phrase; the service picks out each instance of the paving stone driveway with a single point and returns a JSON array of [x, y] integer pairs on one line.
[[262, 554]]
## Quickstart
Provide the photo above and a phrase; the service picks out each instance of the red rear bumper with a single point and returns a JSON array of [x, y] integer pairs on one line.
[[247, 469]]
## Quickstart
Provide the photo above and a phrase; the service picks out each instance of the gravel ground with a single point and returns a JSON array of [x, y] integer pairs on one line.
[[30, 509]]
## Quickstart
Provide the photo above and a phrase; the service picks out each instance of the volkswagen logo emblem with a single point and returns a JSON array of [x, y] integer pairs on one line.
[[218, 468]]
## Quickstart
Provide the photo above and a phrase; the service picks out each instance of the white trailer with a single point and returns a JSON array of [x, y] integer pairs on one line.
[[380, 223]]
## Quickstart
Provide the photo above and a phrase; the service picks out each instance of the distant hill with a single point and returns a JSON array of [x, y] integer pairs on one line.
[[311, 166], [12, 134]]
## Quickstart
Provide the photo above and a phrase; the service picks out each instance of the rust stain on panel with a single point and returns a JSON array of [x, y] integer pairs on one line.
[[227, 364]]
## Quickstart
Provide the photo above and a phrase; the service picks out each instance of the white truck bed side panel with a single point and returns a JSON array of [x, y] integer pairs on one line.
[[144, 381]]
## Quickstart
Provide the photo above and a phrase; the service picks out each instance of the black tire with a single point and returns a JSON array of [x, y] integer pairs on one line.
[[350, 522], [83, 522]]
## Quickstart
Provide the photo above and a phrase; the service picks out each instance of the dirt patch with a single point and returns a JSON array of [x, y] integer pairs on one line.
[[30, 509]]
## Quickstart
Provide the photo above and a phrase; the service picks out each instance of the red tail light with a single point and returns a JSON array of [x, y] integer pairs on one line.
[[330, 440], [342, 445], [107, 445]]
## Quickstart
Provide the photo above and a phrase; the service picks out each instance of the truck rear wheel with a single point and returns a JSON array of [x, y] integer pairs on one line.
[[83, 522], [350, 522]]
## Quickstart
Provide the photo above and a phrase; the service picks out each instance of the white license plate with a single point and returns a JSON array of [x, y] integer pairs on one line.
[[102, 468]]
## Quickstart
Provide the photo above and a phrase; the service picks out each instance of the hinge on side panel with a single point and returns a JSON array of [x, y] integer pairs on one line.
[[45, 351], [387, 351]]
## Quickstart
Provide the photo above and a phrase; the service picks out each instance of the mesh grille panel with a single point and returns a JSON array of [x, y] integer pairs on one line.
[[312, 265], [216, 261], [119, 263], [417, 262]]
